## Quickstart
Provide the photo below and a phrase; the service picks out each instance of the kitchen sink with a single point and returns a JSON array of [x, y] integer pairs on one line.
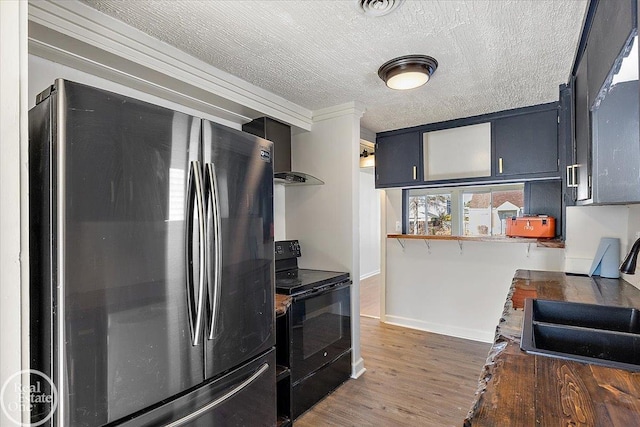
[[598, 334]]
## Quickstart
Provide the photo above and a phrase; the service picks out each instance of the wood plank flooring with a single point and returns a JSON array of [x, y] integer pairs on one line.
[[413, 378], [370, 296]]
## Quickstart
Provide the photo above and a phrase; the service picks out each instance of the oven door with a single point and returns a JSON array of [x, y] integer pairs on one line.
[[321, 329]]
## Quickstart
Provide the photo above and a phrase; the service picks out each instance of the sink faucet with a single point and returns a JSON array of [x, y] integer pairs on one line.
[[628, 266]]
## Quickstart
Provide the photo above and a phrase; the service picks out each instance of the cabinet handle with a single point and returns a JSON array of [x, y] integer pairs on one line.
[[415, 173], [572, 176], [500, 165]]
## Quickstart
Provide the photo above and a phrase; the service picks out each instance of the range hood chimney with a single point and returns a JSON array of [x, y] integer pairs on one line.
[[280, 134]]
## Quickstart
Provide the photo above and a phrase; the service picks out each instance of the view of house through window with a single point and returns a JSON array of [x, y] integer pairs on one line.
[[464, 211]]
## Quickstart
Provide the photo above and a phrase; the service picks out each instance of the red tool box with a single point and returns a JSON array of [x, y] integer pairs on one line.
[[531, 226]]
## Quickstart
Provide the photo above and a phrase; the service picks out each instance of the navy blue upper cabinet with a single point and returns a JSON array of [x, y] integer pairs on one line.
[[398, 159], [606, 166], [526, 144], [523, 145]]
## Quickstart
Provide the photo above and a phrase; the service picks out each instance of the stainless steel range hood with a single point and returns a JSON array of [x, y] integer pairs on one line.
[[296, 178], [280, 134]]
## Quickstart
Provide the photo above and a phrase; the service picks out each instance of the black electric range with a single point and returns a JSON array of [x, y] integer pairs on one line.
[[291, 280], [318, 341]]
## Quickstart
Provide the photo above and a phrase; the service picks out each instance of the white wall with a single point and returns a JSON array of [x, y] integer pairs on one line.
[[279, 209], [633, 227], [14, 251], [369, 224], [586, 225], [324, 218], [451, 291]]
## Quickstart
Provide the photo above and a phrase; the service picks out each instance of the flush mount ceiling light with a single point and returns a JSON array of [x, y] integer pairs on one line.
[[407, 72], [377, 7]]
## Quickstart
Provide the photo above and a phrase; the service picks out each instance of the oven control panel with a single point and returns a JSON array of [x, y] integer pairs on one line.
[[286, 249]]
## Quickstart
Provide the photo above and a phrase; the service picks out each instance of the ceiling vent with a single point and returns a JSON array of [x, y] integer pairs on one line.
[[378, 7]]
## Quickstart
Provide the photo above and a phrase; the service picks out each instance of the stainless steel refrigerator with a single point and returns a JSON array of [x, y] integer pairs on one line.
[[151, 246]]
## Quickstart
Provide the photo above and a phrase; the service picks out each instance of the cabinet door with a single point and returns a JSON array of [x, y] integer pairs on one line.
[[566, 144], [582, 133], [612, 23], [459, 152], [398, 159], [526, 144], [240, 247], [616, 151], [126, 342]]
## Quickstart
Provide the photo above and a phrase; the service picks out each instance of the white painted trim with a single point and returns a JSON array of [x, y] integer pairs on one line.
[[366, 276], [56, 53], [24, 200], [355, 113], [383, 255], [357, 368], [469, 334], [131, 46], [14, 257], [370, 316], [354, 108]]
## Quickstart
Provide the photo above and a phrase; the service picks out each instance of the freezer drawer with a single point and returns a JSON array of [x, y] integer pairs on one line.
[[242, 397]]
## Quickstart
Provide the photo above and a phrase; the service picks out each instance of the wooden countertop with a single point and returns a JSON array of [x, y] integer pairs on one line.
[[520, 389], [541, 243], [282, 303]]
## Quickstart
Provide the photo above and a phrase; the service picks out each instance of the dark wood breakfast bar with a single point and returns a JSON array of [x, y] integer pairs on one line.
[[521, 389]]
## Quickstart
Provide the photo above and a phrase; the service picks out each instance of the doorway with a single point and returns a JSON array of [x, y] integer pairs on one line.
[[369, 235]]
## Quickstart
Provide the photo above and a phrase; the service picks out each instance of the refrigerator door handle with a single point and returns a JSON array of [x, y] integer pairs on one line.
[[228, 395], [196, 302], [213, 201]]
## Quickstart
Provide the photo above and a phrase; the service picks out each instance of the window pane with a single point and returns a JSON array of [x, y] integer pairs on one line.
[[417, 215], [439, 214], [477, 214], [485, 213], [506, 204], [467, 211]]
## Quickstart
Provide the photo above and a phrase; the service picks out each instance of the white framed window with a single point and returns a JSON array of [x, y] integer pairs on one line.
[[463, 211]]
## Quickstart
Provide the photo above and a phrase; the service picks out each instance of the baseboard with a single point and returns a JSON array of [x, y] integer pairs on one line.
[[357, 368], [437, 328], [370, 316], [366, 276]]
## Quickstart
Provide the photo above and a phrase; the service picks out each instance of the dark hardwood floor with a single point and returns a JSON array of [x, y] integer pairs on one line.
[[413, 378]]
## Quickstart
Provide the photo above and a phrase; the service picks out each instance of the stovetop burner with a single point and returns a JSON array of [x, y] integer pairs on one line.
[[293, 280]]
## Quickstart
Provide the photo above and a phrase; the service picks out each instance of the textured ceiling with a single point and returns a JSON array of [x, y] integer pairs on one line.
[[493, 55]]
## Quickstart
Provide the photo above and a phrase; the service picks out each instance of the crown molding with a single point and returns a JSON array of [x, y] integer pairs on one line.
[[76, 35], [350, 108]]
